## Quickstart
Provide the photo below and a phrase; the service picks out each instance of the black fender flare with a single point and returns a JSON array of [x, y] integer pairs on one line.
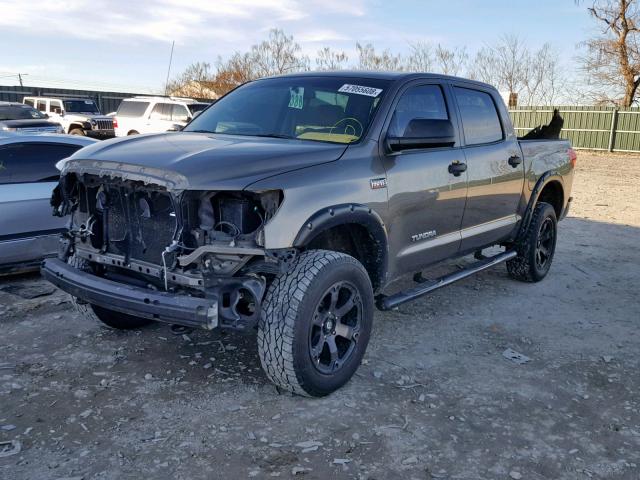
[[543, 181], [344, 214]]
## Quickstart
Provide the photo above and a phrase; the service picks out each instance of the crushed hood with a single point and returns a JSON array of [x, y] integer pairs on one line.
[[199, 161]]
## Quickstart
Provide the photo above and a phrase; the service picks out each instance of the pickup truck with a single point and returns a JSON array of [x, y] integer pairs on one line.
[[292, 204]]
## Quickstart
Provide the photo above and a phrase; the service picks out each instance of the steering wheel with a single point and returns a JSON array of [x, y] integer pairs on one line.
[[352, 126]]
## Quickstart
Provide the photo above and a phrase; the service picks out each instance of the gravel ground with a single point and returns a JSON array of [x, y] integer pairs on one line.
[[435, 397]]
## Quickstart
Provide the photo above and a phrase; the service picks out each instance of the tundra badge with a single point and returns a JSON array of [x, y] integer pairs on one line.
[[423, 235]]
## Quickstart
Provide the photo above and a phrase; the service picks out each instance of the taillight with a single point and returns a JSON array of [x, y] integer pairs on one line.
[[115, 122], [573, 157]]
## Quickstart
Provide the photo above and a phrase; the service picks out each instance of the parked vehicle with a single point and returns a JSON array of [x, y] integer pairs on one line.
[[78, 116], [155, 114], [23, 119], [28, 231], [292, 203]]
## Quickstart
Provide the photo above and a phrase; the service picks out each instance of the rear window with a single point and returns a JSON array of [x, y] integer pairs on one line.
[[480, 121], [132, 109]]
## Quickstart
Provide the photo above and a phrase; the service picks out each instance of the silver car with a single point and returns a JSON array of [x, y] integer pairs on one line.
[[28, 174]]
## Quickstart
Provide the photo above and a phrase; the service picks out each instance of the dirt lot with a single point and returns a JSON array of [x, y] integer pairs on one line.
[[435, 397]]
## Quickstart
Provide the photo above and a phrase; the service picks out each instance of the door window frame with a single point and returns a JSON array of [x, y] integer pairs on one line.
[[451, 111], [491, 93]]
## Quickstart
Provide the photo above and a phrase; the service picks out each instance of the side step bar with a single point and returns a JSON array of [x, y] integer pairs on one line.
[[384, 302]]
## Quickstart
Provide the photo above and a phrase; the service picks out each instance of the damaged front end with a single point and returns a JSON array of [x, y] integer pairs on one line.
[[143, 231]]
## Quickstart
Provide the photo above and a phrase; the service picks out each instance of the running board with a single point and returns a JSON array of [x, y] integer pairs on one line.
[[384, 302]]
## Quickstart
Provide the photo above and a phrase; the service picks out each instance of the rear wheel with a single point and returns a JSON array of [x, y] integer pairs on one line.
[[315, 323], [104, 316], [535, 254], [133, 132]]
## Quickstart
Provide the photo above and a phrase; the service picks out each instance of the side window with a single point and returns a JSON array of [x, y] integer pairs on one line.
[[55, 106], [32, 162], [42, 105], [29, 101], [480, 120], [180, 113], [161, 111], [132, 109], [424, 102]]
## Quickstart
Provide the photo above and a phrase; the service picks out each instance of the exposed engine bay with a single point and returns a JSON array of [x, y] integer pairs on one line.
[[192, 242]]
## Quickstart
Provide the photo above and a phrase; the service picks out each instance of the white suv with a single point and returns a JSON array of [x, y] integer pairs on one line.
[[78, 116], [154, 114]]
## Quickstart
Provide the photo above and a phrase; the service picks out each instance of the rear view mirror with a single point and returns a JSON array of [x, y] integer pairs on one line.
[[424, 133]]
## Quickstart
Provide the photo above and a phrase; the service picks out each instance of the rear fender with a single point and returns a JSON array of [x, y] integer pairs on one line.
[[542, 182]]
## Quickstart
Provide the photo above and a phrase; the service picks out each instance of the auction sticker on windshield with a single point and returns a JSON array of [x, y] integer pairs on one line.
[[360, 90], [296, 99]]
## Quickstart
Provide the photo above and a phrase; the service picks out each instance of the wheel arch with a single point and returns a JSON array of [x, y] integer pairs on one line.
[[354, 229], [551, 185]]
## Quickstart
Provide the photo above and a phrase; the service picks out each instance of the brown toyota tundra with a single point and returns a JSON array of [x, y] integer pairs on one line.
[[292, 203]]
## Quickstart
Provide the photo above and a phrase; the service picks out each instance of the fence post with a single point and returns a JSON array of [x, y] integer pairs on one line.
[[612, 130]]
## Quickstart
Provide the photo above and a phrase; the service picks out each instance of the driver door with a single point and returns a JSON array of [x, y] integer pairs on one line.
[[426, 201]]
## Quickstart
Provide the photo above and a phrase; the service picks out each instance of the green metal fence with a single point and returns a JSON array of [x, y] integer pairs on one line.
[[594, 128]]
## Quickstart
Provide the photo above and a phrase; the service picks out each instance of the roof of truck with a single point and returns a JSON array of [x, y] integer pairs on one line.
[[374, 74]]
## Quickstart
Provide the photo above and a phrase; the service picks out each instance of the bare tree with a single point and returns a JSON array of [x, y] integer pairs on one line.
[[421, 57], [328, 59], [196, 81], [235, 71], [368, 59], [527, 76], [451, 61], [612, 61], [277, 55], [503, 65]]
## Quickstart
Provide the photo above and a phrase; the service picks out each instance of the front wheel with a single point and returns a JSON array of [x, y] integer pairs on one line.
[[315, 323], [536, 251], [77, 131]]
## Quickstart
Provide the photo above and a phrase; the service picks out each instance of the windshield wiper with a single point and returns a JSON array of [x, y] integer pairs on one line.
[[199, 131], [272, 135]]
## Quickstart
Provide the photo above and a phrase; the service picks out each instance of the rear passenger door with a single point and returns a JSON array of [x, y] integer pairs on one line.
[[494, 167]]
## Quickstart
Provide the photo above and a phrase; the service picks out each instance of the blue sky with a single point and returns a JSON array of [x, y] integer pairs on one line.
[[120, 44]]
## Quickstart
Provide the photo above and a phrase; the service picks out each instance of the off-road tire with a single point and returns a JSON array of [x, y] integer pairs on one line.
[[133, 132], [287, 317], [77, 131], [524, 267], [103, 316]]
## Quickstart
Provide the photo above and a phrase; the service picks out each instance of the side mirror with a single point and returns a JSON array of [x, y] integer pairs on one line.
[[46, 115], [423, 133], [189, 119]]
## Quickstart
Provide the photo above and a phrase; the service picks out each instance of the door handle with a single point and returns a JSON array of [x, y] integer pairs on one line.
[[514, 161], [456, 168]]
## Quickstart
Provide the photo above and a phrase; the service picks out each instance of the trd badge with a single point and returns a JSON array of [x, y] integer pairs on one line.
[[378, 183]]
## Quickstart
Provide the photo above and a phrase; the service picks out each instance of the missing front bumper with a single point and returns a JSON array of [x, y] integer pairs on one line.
[[141, 302]]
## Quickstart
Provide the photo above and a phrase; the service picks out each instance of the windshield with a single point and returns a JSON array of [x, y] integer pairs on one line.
[[19, 112], [328, 109], [80, 106]]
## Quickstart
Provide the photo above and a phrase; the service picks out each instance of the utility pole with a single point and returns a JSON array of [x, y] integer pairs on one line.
[[20, 79], [166, 83]]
